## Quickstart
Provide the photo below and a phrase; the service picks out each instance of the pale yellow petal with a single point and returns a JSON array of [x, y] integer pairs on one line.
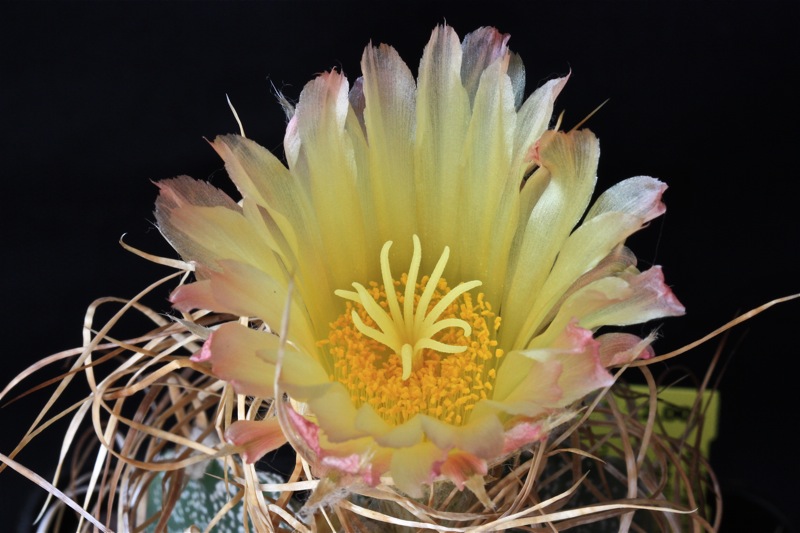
[[582, 251], [204, 225], [326, 162], [442, 121], [261, 177], [571, 160], [489, 199], [482, 436], [390, 99], [244, 290], [287, 213], [413, 467], [639, 196], [335, 413]]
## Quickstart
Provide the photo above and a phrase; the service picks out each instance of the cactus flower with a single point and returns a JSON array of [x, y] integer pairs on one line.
[[454, 288]]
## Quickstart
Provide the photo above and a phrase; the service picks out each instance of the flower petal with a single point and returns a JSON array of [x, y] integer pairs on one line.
[[482, 436], [639, 196], [490, 206], [460, 466], [442, 118], [390, 98], [326, 165], [256, 438], [480, 49], [204, 224], [521, 434], [570, 361], [335, 413], [571, 161], [262, 178], [414, 467], [232, 350], [622, 348], [644, 297], [243, 290], [246, 358]]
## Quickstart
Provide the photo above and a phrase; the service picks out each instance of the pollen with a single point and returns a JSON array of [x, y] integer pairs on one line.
[[418, 347]]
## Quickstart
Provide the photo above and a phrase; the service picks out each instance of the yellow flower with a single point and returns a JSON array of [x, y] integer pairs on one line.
[[451, 290]]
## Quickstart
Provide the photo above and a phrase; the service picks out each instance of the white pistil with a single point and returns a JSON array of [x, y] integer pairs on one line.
[[408, 331]]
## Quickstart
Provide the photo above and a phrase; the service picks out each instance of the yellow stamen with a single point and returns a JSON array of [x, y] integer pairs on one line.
[[420, 348]]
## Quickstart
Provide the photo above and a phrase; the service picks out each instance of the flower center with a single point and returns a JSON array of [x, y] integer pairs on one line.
[[406, 347]]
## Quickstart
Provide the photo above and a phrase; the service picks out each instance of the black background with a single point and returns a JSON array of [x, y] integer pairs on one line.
[[99, 99]]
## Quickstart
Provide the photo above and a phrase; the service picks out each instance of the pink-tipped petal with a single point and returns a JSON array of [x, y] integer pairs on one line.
[[622, 348], [461, 466], [255, 438], [206, 226], [244, 290], [232, 350], [197, 295], [305, 429], [182, 191], [350, 464], [646, 298], [480, 49], [639, 196], [659, 298], [567, 365], [527, 386], [180, 195], [583, 373], [630, 298], [578, 352], [522, 434]]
